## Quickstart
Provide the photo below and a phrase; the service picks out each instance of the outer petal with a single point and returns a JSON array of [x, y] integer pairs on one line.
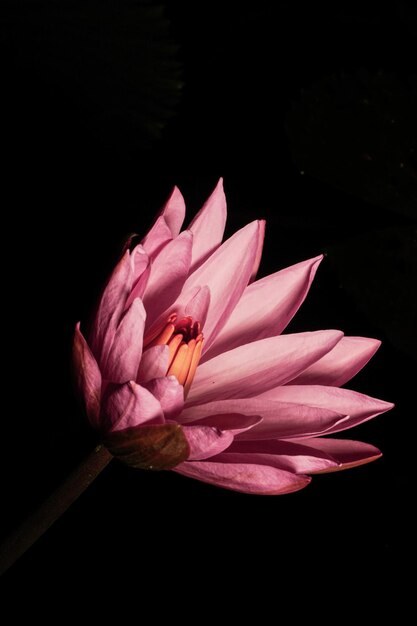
[[167, 225], [289, 456], [208, 226], [170, 395], [87, 375], [174, 211], [359, 407], [205, 441], [226, 273], [251, 369], [127, 406], [140, 261], [266, 307], [168, 273], [158, 237], [279, 419], [347, 453], [110, 308], [235, 422], [245, 477], [141, 270], [258, 255], [124, 356], [154, 364], [341, 364]]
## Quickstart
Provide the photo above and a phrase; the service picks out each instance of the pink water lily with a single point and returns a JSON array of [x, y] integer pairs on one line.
[[186, 368]]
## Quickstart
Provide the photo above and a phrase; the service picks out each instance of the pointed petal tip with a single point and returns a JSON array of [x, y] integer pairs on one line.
[[206, 441], [347, 453], [383, 406], [370, 341], [175, 192], [374, 343], [253, 227], [302, 482], [350, 465], [186, 234], [218, 189], [218, 192], [389, 405], [139, 249], [138, 307]]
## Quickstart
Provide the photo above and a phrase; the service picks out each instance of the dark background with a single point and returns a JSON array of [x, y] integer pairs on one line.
[[308, 112]]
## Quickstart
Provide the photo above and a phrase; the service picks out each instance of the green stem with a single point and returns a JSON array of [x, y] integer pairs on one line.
[[48, 512]]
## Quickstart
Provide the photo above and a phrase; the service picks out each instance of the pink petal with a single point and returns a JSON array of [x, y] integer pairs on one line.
[[205, 441], [141, 271], [174, 212], [168, 273], [285, 455], [347, 453], [139, 287], [235, 422], [266, 307], [124, 356], [253, 368], [110, 308], [349, 356], [169, 393], [139, 261], [154, 364], [158, 237], [258, 255], [289, 420], [357, 406], [198, 305], [87, 376], [245, 477], [129, 405], [167, 225], [208, 226], [226, 273], [194, 303], [279, 419]]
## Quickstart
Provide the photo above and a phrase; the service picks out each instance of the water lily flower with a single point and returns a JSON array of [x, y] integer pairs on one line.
[[186, 366]]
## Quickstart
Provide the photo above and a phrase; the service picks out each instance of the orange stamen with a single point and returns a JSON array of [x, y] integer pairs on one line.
[[193, 366], [178, 362], [164, 336], [152, 338], [173, 345], [185, 342], [183, 373]]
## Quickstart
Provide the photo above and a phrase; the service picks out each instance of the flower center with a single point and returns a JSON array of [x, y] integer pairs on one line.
[[185, 342]]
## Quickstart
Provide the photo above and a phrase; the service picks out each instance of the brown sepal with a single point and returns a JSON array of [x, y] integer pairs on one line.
[[158, 447]]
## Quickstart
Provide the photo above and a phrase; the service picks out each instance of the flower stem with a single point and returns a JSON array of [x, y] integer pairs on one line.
[[50, 510]]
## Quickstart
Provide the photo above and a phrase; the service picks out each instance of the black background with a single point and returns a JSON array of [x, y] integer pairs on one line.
[[306, 110]]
